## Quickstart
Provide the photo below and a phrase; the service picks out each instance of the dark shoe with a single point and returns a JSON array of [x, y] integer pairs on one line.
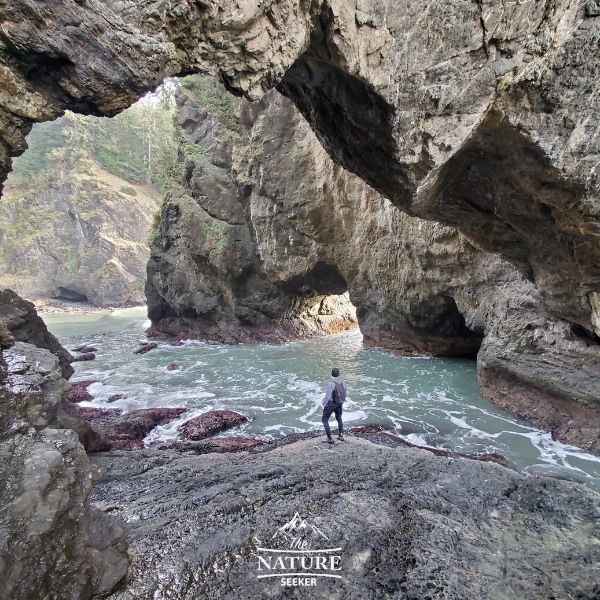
[[329, 441], [341, 437]]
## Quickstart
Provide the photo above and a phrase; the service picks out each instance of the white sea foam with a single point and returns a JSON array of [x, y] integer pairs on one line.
[[430, 401]]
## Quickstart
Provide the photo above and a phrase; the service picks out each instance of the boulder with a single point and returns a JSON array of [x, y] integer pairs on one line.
[[84, 357], [64, 546], [214, 421], [78, 391], [19, 317], [127, 431], [146, 348]]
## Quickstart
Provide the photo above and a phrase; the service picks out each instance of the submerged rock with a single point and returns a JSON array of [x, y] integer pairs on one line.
[[212, 422], [78, 391], [407, 524], [146, 348], [86, 349], [173, 367], [84, 357], [115, 397]]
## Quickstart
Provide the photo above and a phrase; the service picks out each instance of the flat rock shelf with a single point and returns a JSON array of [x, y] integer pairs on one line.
[[401, 522]]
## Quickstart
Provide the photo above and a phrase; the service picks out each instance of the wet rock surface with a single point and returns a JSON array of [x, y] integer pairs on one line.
[[127, 431], [54, 544], [210, 423], [146, 348], [234, 443], [19, 322], [84, 357], [408, 524], [78, 391]]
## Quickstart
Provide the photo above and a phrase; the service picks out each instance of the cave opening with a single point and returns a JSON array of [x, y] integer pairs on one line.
[[323, 279], [70, 295], [444, 329]]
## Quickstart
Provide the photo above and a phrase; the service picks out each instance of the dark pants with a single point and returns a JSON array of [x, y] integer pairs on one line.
[[327, 412]]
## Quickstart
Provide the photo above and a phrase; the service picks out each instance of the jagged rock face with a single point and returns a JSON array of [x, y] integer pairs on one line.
[[470, 114], [419, 287], [206, 276], [481, 115], [408, 524], [21, 323], [54, 544], [83, 237]]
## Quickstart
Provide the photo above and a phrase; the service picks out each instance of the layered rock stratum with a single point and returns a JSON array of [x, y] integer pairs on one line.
[[405, 523]]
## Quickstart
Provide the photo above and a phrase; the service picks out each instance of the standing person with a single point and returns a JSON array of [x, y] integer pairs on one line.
[[334, 399]]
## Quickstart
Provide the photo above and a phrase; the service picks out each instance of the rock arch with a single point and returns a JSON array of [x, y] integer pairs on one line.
[[400, 93], [430, 102]]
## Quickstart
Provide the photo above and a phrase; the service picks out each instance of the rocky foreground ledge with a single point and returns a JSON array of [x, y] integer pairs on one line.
[[404, 523]]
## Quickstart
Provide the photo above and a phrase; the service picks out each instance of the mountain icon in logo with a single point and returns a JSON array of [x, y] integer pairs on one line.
[[299, 528]]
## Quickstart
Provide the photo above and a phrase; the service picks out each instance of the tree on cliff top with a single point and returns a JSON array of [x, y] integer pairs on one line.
[[139, 145]]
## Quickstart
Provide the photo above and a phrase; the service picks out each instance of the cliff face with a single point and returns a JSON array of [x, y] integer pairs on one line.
[[305, 224], [207, 276], [79, 234], [54, 543], [480, 115]]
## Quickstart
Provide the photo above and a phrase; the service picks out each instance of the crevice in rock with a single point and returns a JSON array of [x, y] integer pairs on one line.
[[588, 336], [323, 279]]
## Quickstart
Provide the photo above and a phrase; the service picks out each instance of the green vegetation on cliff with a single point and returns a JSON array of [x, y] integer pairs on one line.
[[139, 145], [208, 93], [77, 209]]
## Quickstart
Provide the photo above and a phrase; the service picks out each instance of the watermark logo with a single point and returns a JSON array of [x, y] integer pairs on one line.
[[298, 554]]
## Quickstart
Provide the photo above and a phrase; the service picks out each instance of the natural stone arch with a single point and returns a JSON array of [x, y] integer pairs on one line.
[[409, 88]]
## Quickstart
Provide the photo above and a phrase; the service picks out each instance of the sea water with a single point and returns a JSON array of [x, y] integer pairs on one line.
[[428, 401]]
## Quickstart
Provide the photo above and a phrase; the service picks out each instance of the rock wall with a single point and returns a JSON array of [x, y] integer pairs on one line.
[[54, 544], [82, 236], [207, 276], [418, 286]]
